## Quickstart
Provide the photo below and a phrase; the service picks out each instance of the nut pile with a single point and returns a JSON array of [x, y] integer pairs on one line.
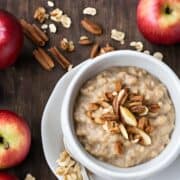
[[68, 168], [49, 19], [125, 113]]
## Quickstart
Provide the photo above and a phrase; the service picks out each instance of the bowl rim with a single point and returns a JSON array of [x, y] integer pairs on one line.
[[89, 161]]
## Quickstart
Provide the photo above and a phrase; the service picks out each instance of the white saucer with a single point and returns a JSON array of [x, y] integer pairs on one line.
[[52, 139]]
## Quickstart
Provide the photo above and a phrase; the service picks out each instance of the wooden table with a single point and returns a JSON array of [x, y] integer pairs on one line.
[[25, 87]]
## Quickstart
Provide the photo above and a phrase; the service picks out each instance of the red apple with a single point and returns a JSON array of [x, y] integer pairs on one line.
[[15, 139], [11, 39], [159, 20], [6, 176]]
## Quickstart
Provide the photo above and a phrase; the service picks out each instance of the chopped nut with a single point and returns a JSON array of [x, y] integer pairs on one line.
[[68, 168], [98, 120], [52, 28], [127, 116], [118, 86], [50, 3], [104, 104], [149, 129], [137, 45], [91, 27], [89, 114], [109, 96], [44, 26], [154, 108], [158, 55], [89, 11], [135, 103], [142, 123], [118, 147], [84, 40], [93, 106], [136, 98], [64, 44], [106, 49], [111, 126], [114, 93], [141, 109], [71, 46], [40, 14], [67, 45], [117, 35], [29, 177], [70, 67], [56, 15], [146, 110], [65, 21], [146, 139], [109, 117], [123, 131], [135, 141]]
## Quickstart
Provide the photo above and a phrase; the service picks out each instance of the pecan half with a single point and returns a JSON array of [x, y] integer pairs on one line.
[[136, 103], [85, 42], [94, 51], [91, 27], [134, 97], [138, 109]]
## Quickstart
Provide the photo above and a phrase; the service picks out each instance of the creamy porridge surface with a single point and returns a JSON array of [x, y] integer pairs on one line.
[[97, 123]]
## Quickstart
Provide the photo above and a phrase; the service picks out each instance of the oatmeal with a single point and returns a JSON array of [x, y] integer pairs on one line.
[[124, 116]]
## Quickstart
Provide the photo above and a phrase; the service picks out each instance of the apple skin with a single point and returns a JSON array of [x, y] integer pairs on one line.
[[156, 24], [6, 176], [11, 39], [15, 132]]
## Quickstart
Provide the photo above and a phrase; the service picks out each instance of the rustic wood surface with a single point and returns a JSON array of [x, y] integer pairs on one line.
[[25, 87]]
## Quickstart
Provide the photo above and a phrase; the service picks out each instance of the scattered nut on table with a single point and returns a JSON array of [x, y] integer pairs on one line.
[[118, 35], [89, 11], [138, 45]]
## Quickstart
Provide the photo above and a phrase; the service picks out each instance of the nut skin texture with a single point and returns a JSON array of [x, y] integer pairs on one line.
[[15, 131], [6, 176], [11, 39], [91, 27], [155, 24]]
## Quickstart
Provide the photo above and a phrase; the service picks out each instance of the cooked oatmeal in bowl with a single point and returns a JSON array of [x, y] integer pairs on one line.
[[124, 116], [120, 115]]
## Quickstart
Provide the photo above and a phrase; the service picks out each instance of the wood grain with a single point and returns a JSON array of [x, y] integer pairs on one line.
[[25, 87]]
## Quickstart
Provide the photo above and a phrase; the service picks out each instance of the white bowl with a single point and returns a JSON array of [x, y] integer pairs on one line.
[[121, 58]]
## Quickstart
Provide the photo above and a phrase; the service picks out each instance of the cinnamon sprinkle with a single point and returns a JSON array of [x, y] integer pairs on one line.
[[34, 33], [63, 61], [43, 58]]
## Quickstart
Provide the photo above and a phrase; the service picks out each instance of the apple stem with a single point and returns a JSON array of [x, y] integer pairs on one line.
[[6, 145]]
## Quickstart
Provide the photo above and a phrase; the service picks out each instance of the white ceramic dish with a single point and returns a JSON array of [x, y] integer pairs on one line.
[[121, 58]]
